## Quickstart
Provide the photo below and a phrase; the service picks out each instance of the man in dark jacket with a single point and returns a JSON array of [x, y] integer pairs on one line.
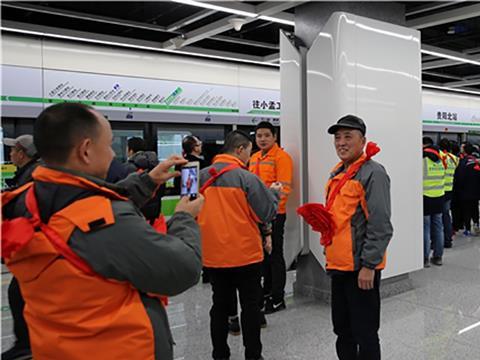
[[466, 187], [140, 160], [192, 150], [23, 155]]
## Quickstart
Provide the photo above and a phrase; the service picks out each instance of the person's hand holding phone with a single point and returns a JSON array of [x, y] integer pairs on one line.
[[190, 179], [192, 207], [161, 173], [276, 186]]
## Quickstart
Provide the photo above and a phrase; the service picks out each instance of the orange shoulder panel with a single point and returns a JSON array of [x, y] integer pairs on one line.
[[8, 196]]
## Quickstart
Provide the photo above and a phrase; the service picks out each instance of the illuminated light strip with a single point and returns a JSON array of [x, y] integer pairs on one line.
[[277, 20], [132, 46], [451, 57], [210, 6], [451, 89], [468, 328], [216, 7]]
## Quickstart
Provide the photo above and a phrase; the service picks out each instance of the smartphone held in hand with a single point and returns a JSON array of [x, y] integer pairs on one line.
[[190, 178]]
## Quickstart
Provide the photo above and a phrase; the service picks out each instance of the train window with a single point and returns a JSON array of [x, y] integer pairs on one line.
[[170, 143], [120, 138]]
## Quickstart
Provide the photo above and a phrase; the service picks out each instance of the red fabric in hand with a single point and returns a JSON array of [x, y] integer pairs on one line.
[[16, 234], [319, 216]]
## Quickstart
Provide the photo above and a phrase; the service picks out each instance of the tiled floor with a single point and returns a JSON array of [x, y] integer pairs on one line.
[[422, 324]]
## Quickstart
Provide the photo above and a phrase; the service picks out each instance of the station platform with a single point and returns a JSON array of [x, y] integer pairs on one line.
[[434, 321]]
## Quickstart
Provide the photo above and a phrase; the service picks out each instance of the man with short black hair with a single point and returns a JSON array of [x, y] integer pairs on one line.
[[192, 150], [236, 203], [81, 231], [273, 165]]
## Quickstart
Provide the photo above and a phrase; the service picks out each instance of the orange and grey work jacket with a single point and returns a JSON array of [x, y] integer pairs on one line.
[[275, 166], [235, 204], [361, 213], [106, 315]]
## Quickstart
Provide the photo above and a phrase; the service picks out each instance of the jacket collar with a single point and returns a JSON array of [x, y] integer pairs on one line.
[[229, 159], [271, 152], [340, 167], [62, 176]]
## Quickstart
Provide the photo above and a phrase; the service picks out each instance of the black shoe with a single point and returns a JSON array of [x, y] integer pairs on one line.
[[448, 245], [17, 353], [234, 326], [263, 320], [426, 263], [437, 261], [273, 307]]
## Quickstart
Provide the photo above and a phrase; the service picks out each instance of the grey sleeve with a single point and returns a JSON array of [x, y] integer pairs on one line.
[[379, 227], [131, 250], [138, 187], [262, 200]]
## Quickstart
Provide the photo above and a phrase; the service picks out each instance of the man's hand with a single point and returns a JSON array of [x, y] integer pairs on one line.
[[268, 244], [161, 174], [276, 186], [192, 207], [365, 278]]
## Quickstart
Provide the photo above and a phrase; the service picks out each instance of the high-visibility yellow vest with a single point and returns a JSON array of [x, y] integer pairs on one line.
[[433, 178], [452, 162]]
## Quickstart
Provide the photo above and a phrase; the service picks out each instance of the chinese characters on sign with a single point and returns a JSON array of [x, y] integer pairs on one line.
[[266, 105], [443, 115]]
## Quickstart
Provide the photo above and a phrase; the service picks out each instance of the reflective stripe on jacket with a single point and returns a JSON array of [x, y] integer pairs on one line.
[[78, 316], [234, 206], [452, 162], [361, 213], [275, 166], [433, 178]]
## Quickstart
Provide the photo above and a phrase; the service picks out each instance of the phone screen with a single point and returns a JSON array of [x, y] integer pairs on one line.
[[189, 186]]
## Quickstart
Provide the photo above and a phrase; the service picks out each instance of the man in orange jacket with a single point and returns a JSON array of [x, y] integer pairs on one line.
[[90, 267], [361, 213], [273, 165], [236, 202]]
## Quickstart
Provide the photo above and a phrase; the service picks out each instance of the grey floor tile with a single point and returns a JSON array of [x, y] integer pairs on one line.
[[422, 324]]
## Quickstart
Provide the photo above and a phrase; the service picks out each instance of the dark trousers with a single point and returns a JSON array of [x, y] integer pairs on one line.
[[447, 223], [225, 282], [457, 216], [356, 317], [17, 304], [274, 269], [470, 212], [476, 213]]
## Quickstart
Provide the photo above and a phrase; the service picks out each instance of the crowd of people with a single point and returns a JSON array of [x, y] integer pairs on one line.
[[94, 261], [451, 194]]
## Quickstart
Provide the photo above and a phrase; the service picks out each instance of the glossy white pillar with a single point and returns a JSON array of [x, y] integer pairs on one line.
[[370, 69]]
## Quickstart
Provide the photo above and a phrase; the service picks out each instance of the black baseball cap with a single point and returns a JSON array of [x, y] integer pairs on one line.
[[349, 122]]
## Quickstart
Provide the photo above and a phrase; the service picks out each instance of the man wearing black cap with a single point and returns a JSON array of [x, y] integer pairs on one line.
[[360, 208]]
